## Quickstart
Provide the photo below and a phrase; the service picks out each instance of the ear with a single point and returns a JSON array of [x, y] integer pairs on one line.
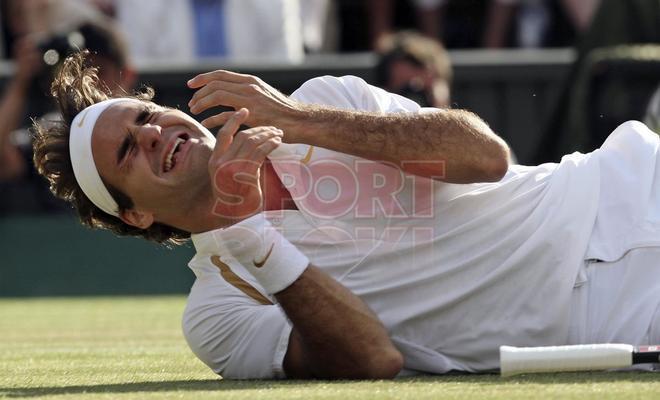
[[137, 218]]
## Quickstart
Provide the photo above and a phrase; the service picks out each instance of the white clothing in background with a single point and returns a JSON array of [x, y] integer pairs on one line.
[[264, 30], [157, 30], [255, 30]]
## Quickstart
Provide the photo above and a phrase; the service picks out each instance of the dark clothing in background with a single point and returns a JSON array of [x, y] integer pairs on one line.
[[590, 106]]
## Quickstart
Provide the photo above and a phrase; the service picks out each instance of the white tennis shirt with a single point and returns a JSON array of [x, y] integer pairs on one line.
[[453, 271]]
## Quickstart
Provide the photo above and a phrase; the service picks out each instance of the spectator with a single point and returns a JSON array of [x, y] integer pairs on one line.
[[533, 18], [212, 28], [491, 23], [416, 67], [614, 23], [42, 18], [319, 25], [581, 12], [21, 189], [429, 14]]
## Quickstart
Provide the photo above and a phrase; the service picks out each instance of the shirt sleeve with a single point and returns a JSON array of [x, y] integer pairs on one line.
[[236, 336], [351, 92]]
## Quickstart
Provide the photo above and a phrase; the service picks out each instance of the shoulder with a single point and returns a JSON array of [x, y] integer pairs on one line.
[[351, 92], [233, 328], [630, 135], [332, 90]]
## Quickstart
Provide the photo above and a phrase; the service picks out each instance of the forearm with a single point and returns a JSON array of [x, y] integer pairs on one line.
[[11, 111], [335, 335], [12, 106], [450, 145]]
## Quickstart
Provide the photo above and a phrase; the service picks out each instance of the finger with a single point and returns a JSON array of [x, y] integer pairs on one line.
[[216, 98], [264, 149], [217, 120], [245, 142], [250, 163], [226, 133], [219, 75], [236, 88], [249, 139]]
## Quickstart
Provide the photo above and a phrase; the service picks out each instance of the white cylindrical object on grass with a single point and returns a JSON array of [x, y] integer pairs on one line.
[[587, 357]]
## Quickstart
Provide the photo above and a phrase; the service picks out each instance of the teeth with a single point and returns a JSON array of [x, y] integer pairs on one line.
[[168, 159]]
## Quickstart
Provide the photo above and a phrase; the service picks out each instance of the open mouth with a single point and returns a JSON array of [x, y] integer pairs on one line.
[[172, 155]]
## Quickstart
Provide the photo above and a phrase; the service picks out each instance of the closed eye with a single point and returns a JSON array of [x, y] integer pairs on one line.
[[129, 143], [126, 145], [143, 116], [146, 114]]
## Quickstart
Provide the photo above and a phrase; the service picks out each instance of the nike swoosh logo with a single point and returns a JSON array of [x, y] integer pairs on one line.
[[82, 120], [258, 264]]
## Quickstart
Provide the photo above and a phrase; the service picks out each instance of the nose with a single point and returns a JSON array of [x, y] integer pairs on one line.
[[149, 137]]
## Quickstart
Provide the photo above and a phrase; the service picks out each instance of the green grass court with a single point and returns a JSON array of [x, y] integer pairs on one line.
[[132, 348]]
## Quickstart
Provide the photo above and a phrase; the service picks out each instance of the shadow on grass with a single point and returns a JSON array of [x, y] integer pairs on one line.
[[136, 387], [227, 385], [543, 379]]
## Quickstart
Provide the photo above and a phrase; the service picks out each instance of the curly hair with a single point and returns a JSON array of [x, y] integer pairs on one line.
[[75, 87], [416, 49]]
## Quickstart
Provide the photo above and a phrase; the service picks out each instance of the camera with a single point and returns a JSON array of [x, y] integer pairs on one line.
[[416, 93], [57, 47]]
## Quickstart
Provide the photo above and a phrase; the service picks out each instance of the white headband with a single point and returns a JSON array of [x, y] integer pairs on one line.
[[82, 160]]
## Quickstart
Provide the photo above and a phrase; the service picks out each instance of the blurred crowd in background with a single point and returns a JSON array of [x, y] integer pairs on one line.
[[123, 34], [285, 30]]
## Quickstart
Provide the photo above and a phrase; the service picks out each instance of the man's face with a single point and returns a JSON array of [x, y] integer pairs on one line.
[[155, 155], [419, 84]]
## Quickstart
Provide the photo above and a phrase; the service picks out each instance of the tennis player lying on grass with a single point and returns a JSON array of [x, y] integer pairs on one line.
[[362, 236]]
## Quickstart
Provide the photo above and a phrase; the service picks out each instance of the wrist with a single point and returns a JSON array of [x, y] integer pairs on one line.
[[298, 124], [264, 252]]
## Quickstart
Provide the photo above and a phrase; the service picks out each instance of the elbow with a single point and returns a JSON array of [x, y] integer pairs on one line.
[[385, 365], [496, 166], [496, 169]]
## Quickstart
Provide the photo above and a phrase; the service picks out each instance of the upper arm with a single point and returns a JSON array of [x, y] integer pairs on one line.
[[295, 365], [234, 335]]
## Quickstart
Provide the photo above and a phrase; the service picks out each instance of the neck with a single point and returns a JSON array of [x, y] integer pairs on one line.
[[276, 196], [201, 217]]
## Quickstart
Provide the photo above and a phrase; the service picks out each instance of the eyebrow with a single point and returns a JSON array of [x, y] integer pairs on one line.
[[142, 117]]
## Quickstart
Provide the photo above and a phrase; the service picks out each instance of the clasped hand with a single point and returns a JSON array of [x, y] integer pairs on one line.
[[235, 165]]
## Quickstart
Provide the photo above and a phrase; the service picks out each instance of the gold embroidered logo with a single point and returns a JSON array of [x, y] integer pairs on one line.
[[261, 264], [239, 283], [308, 156], [82, 120]]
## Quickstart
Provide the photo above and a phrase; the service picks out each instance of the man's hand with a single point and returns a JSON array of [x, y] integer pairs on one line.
[[223, 88], [234, 166], [453, 146]]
